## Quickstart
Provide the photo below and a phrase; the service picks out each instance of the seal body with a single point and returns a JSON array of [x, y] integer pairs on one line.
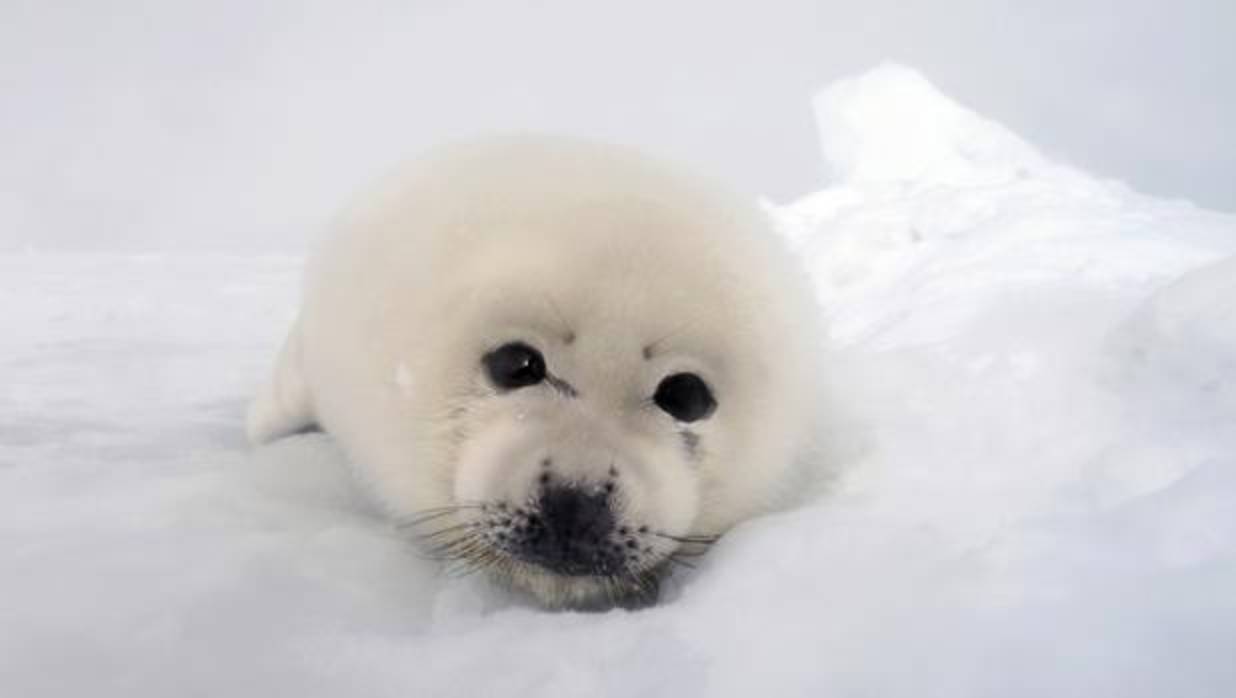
[[560, 362]]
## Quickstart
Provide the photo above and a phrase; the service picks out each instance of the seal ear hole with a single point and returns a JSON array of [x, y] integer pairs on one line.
[[514, 365], [685, 397]]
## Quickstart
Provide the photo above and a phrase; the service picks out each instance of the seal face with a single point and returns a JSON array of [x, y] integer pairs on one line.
[[557, 362]]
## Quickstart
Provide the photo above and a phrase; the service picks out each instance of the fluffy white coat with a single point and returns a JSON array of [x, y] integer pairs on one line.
[[620, 271]]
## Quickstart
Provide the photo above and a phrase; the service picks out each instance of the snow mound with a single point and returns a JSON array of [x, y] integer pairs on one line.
[[1181, 343], [892, 125], [1033, 381]]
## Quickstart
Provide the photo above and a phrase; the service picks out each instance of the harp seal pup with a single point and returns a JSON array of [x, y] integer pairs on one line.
[[558, 362]]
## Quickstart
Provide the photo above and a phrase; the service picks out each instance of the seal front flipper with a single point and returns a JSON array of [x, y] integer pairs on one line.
[[282, 407]]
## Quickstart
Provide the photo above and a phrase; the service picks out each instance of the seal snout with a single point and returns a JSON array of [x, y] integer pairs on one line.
[[570, 532]]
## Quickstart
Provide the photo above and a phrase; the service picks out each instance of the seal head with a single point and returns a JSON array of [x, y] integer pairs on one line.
[[560, 363]]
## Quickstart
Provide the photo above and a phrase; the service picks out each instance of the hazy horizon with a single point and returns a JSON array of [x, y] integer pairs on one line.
[[220, 126]]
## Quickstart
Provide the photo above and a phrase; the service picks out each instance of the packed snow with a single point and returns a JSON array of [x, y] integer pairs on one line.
[[1033, 386]]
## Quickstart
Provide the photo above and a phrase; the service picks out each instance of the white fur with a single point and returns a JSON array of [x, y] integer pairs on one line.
[[591, 254]]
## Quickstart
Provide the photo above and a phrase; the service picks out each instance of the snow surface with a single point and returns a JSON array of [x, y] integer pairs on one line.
[[1033, 374]]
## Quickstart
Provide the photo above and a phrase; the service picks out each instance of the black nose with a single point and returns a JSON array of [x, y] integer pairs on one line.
[[570, 533]]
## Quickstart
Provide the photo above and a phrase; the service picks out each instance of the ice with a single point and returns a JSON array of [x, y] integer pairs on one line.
[[1033, 378], [891, 125]]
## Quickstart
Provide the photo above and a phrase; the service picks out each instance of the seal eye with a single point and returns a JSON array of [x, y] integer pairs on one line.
[[514, 365], [685, 396]]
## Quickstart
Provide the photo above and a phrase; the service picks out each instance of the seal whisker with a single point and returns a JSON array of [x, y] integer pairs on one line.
[[652, 347], [457, 549], [480, 561], [426, 515], [422, 520], [677, 560], [459, 543], [450, 507], [690, 553], [568, 333], [428, 537], [695, 539]]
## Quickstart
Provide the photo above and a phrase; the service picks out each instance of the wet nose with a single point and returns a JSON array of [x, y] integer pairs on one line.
[[572, 515], [571, 531]]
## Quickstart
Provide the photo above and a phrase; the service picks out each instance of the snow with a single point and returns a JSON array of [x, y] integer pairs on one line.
[[1033, 378]]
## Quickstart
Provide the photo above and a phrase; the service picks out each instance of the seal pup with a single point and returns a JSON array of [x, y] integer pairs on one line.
[[559, 362]]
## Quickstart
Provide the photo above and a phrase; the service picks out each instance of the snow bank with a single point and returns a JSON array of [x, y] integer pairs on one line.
[[1034, 378], [892, 125]]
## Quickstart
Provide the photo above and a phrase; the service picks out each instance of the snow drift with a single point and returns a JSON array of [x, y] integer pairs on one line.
[[1034, 379]]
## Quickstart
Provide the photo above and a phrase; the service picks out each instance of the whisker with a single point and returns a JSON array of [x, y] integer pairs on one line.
[[460, 544], [424, 519], [654, 345], [449, 507], [437, 556], [472, 565], [427, 515], [679, 561], [690, 553], [695, 539], [475, 537], [427, 537]]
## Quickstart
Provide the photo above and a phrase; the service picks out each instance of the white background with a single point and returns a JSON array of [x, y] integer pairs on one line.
[[244, 125]]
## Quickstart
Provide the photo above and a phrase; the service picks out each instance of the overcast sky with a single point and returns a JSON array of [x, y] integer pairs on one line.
[[243, 125]]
